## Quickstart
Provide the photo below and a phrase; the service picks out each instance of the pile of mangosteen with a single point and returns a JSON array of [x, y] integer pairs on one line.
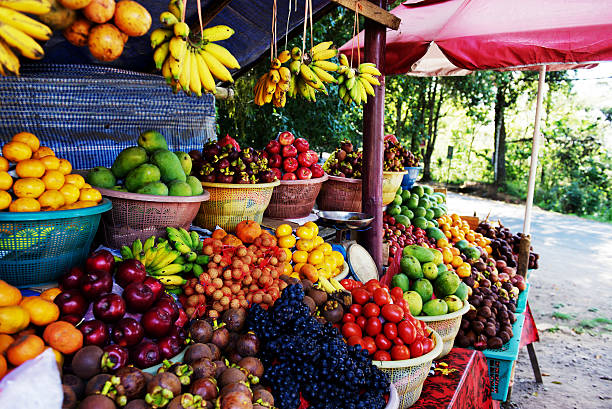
[[397, 157], [345, 161]]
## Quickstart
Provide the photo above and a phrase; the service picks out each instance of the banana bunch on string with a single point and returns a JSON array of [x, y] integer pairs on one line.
[[191, 60], [312, 71], [272, 87], [356, 85]]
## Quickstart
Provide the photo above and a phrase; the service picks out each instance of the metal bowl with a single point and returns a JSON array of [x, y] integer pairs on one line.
[[352, 220]]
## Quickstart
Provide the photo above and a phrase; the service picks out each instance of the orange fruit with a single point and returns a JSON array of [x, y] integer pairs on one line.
[[456, 262], [86, 186], [288, 253], [309, 272], [283, 230], [75, 179], [286, 242], [464, 270], [338, 257], [300, 256], [90, 194], [3, 366], [16, 151], [6, 181], [447, 255], [42, 312], [13, 319], [313, 226], [298, 267], [65, 167], [63, 336], [50, 293], [24, 204], [5, 200], [29, 139], [42, 152], [304, 232], [287, 269], [330, 262], [9, 295], [29, 187], [53, 179], [50, 162], [70, 192], [5, 341], [81, 204], [25, 348], [304, 244], [316, 257], [326, 248], [51, 200], [4, 164], [30, 168]]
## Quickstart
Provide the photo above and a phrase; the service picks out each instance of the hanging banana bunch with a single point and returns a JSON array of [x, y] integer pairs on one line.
[[312, 71], [18, 32], [356, 85], [274, 84], [188, 60]]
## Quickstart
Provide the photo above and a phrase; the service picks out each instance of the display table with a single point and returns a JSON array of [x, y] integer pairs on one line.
[[465, 387]]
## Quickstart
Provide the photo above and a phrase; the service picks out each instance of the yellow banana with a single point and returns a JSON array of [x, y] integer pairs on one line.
[[310, 77], [28, 6], [276, 64], [370, 78], [166, 71], [303, 88], [168, 269], [355, 93], [342, 69], [296, 53], [350, 73], [325, 54], [218, 33], [26, 24], [285, 74], [292, 91], [350, 83], [270, 84], [369, 69], [268, 97], [216, 68], [8, 59], [283, 86], [172, 280], [161, 253], [175, 8], [294, 66], [181, 29], [336, 284], [185, 76], [223, 55], [343, 60], [326, 65], [326, 285], [362, 91], [284, 56], [323, 75], [159, 36], [175, 67], [168, 19], [321, 47], [208, 82], [195, 84], [275, 76], [178, 47], [21, 41], [161, 54], [367, 86]]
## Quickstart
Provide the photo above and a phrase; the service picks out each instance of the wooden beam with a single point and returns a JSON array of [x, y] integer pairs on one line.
[[210, 13], [371, 11]]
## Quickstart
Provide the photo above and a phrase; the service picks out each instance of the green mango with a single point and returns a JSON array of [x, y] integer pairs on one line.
[[195, 184], [128, 159], [185, 160], [400, 280], [435, 233], [429, 214], [169, 166], [462, 291], [428, 190], [405, 196], [411, 267], [435, 307], [420, 212], [393, 210], [101, 177], [442, 268], [399, 191], [472, 253], [417, 190], [424, 288], [420, 222], [413, 202], [446, 284], [407, 212], [152, 141], [400, 218], [422, 254], [424, 202], [154, 188], [462, 245], [397, 200], [179, 188], [141, 176], [437, 211]]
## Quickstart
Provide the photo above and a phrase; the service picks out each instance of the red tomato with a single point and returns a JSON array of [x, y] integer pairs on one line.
[[397, 293], [355, 340], [390, 330], [348, 318], [406, 332], [416, 349], [370, 345], [373, 281], [383, 342], [361, 321], [381, 356], [400, 352], [373, 326], [360, 296], [371, 310], [347, 284], [428, 345], [349, 329], [372, 286], [381, 297], [398, 341], [392, 313], [355, 309]]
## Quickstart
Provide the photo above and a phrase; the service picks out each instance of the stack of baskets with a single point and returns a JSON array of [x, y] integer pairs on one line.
[[294, 199]]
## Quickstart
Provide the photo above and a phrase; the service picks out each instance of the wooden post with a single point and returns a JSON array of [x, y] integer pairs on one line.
[[373, 123], [523, 258]]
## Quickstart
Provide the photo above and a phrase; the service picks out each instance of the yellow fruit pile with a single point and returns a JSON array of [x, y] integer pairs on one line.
[[311, 256], [44, 182]]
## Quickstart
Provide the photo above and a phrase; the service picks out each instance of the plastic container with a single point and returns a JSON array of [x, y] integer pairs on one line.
[[38, 247], [230, 204], [390, 183], [294, 199], [447, 326], [521, 303], [412, 173], [137, 216], [339, 193], [409, 375]]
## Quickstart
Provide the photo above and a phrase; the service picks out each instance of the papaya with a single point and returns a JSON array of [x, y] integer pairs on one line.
[[154, 188], [446, 284], [141, 176], [169, 166], [185, 160], [422, 254], [128, 159], [101, 177], [179, 188], [152, 141], [195, 185], [435, 233], [411, 267]]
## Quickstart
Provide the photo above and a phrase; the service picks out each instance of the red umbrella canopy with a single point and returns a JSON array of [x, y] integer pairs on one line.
[[452, 36]]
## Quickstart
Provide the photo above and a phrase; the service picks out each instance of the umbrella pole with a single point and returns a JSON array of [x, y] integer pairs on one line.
[[533, 169]]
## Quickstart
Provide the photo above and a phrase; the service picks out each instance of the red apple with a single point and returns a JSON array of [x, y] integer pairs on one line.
[[109, 308], [304, 174], [275, 161], [72, 278], [273, 147], [71, 302], [313, 157], [317, 171], [289, 151], [114, 357], [277, 173], [286, 138], [130, 271], [289, 176], [96, 283], [155, 285], [127, 332], [169, 347], [71, 318], [304, 160], [290, 165], [94, 332], [138, 297], [156, 322], [101, 260], [167, 303], [301, 144], [177, 332], [145, 354]]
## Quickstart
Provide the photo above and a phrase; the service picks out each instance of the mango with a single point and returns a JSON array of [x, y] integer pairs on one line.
[[446, 284], [185, 160], [424, 255], [411, 267], [400, 280], [195, 185], [152, 141], [424, 288], [101, 177], [179, 188], [141, 176], [462, 291], [169, 166], [128, 159], [436, 306], [154, 188]]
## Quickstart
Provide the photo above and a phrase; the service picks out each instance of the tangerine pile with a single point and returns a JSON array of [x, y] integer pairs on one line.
[[44, 181]]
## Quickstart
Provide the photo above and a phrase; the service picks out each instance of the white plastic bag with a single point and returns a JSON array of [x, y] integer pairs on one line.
[[35, 384]]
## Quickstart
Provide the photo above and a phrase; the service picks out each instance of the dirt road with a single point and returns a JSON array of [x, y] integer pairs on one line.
[[571, 299]]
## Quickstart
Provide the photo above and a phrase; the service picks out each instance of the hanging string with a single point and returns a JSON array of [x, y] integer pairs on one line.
[[353, 43], [183, 11], [305, 28], [200, 18], [273, 50], [287, 28], [358, 40], [311, 36]]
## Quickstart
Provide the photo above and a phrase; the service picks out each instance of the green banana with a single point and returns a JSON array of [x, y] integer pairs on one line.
[[191, 256], [182, 247], [195, 239], [126, 252], [172, 280], [149, 243], [186, 237], [136, 247], [180, 260], [202, 259], [174, 290], [168, 270], [197, 270], [187, 267]]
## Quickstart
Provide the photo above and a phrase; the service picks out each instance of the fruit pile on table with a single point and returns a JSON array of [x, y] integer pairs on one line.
[[292, 159]]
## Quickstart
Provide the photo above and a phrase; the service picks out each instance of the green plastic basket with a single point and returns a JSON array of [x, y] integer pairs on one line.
[[37, 247], [521, 302]]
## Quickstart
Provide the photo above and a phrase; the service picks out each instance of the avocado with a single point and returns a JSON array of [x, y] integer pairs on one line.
[[154, 188], [196, 185], [128, 159], [411, 267], [400, 280], [446, 284], [179, 188], [435, 307], [185, 160], [141, 176], [424, 288], [424, 255], [169, 166], [152, 141], [101, 177]]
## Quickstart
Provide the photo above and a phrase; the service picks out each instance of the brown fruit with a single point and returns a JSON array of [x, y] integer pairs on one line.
[[78, 32], [132, 18], [74, 4], [59, 17], [100, 11], [105, 42]]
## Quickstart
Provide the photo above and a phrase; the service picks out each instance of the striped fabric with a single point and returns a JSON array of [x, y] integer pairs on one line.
[[88, 114]]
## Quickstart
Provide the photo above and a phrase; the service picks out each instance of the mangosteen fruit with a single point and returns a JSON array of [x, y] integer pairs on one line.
[[75, 383], [86, 363], [137, 404], [247, 344], [319, 296], [215, 351], [220, 337], [197, 351], [221, 367], [241, 387], [233, 356], [200, 331], [185, 401], [263, 395], [96, 384], [203, 368], [231, 375], [477, 326], [484, 311], [234, 319], [205, 387], [494, 343], [235, 400], [162, 386], [333, 311], [97, 402], [132, 382], [252, 365], [70, 398], [183, 371], [310, 303]]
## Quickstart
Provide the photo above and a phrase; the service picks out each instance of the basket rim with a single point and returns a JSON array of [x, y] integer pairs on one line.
[[390, 173], [104, 206], [154, 198], [345, 180], [428, 357], [312, 181], [241, 185], [452, 315]]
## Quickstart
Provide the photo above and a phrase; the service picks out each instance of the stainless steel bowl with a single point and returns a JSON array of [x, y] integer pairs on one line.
[[352, 220]]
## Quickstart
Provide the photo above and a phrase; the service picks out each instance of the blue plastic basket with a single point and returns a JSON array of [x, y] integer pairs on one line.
[[37, 247], [410, 177], [521, 303]]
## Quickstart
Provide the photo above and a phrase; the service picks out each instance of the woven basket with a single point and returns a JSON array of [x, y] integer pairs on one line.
[[137, 216], [339, 193], [294, 199], [447, 326], [409, 375], [230, 204], [391, 182]]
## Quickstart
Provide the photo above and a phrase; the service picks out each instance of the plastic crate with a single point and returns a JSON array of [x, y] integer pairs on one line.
[[521, 303]]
